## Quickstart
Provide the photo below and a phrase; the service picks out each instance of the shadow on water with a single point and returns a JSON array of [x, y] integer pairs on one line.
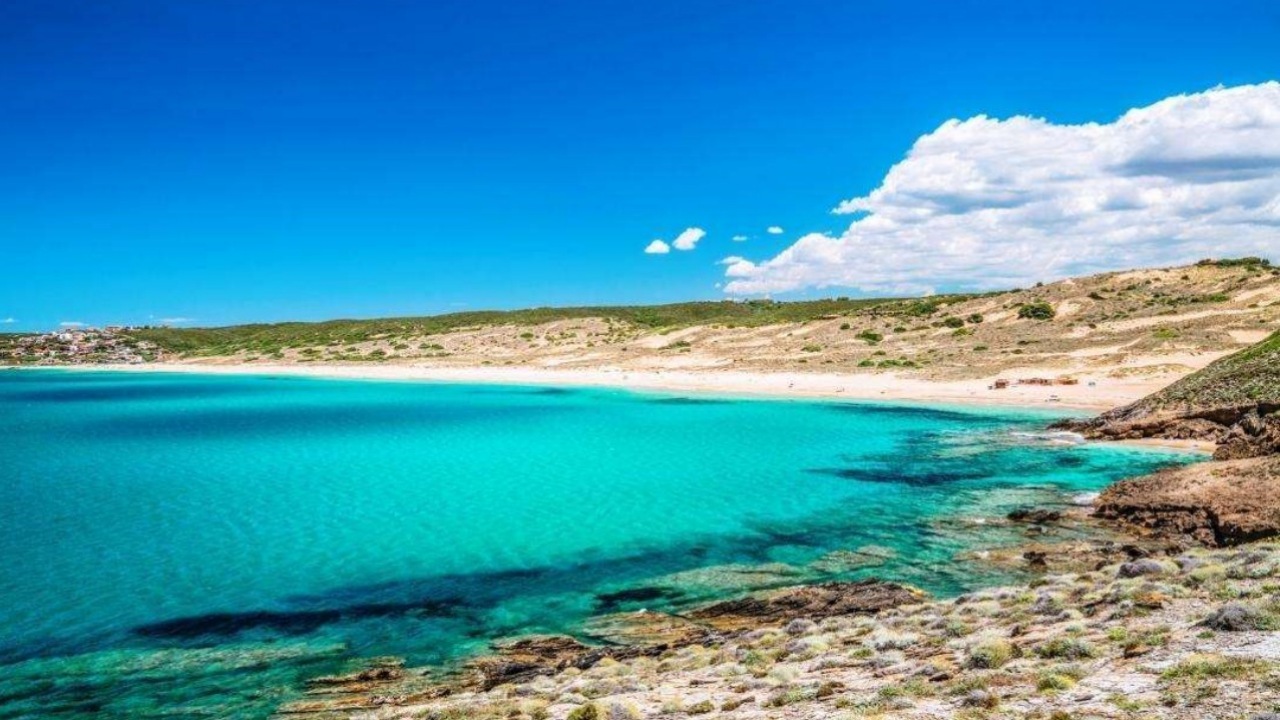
[[930, 459], [688, 401], [915, 412], [293, 623], [126, 392]]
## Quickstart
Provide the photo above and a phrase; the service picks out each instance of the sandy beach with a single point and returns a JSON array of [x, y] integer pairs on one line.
[[1092, 393]]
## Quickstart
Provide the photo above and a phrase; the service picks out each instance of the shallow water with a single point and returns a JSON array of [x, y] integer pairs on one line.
[[201, 543]]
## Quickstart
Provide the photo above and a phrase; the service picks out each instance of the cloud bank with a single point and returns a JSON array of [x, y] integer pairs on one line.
[[986, 203], [688, 239]]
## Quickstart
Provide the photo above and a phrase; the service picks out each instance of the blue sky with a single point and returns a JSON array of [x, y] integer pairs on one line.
[[254, 161]]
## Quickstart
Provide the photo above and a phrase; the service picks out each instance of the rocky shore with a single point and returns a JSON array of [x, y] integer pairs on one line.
[[1178, 619], [1190, 635], [1235, 403]]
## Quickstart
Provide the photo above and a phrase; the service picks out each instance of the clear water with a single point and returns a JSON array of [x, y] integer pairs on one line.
[[189, 544]]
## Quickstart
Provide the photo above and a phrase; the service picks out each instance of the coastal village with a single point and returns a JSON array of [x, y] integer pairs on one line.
[[80, 346]]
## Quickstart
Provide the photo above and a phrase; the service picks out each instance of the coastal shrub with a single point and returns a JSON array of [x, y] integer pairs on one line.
[[526, 336], [953, 322], [844, 326], [969, 683], [990, 654], [1237, 617], [811, 348], [913, 688], [1066, 649], [975, 318], [1214, 667], [789, 696], [585, 712], [1053, 682], [870, 337], [700, 708], [1038, 310], [1245, 262], [921, 308]]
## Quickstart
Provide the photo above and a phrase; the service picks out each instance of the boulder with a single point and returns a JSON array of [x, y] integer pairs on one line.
[[1234, 617], [1035, 516], [1139, 568]]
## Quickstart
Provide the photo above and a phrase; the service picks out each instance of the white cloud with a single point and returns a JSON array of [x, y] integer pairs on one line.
[[8, 321], [986, 203], [175, 320], [775, 230], [71, 324], [688, 239], [739, 238], [657, 247]]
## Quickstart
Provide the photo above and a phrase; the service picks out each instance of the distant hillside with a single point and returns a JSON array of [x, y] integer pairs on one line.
[[1147, 327], [271, 337]]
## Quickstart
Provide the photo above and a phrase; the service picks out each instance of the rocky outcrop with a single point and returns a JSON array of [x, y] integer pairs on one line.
[[1218, 503], [639, 634], [524, 659], [812, 602], [1234, 402], [1255, 434], [1240, 432]]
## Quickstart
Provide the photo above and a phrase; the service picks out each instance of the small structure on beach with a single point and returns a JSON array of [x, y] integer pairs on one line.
[[1001, 384]]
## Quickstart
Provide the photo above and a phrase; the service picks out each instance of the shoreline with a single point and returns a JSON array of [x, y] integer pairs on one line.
[[1105, 395]]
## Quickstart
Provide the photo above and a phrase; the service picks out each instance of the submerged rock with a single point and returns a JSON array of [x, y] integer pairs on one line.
[[721, 579], [644, 628], [1035, 516], [843, 561]]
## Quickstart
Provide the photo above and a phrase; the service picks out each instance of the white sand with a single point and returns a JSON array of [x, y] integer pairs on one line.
[[1104, 393]]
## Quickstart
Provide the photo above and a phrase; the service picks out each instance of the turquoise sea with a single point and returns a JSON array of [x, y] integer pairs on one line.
[[188, 545]]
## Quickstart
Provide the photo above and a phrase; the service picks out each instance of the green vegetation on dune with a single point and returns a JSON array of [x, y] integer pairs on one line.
[[1248, 377], [269, 338]]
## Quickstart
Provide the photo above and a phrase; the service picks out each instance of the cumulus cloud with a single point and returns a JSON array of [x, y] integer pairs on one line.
[[985, 203], [175, 320], [657, 247], [688, 239], [739, 238], [775, 230]]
